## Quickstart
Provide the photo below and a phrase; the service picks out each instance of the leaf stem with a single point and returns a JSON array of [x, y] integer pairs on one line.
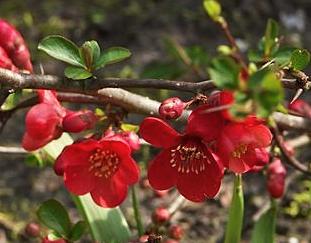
[[137, 215]]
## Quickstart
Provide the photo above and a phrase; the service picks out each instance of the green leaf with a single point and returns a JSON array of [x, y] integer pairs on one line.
[[300, 59], [77, 73], [105, 224], [213, 8], [34, 159], [54, 216], [90, 52], [162, 70], [129, 127], [267, 91], [224, 72], [264, 231], [271, 35], [283, 56], [62, 49], [78, 230], [112, 55], [236, 212]]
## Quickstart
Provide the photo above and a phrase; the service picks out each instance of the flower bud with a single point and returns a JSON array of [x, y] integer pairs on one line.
[[171, 108], [176, 232], [160, 215], [47, 240], [58, 166], [301, 107], [132, 139], [32, 229], [79, 121], [276, 178]]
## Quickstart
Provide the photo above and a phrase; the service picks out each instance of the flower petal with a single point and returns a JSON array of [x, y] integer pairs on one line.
[[158, 133], [161, 174], [205, 125], [78, 179], [128, 171], [262, 135], [109, 193]]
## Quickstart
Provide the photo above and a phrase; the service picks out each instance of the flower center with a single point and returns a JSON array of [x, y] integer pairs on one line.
[[104, 163], [189, 157], [239, 151]]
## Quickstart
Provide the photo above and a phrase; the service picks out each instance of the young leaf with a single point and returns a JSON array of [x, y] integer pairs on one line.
[[77, 73], [54, 216], [272, 32], [300, 59], [224, 72], [62, 49], [112, 55], [213, 8], [129, 127], [283, 56], [78, 230], [264, 230], [90, 52]]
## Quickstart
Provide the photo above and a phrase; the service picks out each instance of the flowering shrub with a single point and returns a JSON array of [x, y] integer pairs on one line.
[[236, 123]]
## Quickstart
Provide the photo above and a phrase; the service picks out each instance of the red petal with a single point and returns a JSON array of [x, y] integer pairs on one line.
[[205, 125], [238, 165], [109, 193], [30, 143], [198, 187], [262, 135], [117, 145], [161, 174], [158, 133], [128, 171], [78, 179]]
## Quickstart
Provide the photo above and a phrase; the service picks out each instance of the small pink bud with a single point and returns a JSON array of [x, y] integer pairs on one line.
[[79, 121], [171, 108], [32, 229], [276, 178], [160, 215], [176, 232], [132, 139]]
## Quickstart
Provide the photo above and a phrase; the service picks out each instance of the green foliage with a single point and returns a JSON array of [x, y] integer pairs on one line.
[[129, 127], [53, 215], [282, 57], [78, 230], [300, 58], [267, 91], [264, 230], [271, 36], [213, 8], [224, 72], [83, 61]]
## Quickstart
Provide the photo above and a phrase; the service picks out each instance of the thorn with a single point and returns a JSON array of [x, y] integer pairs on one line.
[[297, 95], [41, 69]]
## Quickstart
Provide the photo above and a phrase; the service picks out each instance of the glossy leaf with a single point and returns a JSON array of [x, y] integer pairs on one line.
[[62, 49], [283, 56], [112, 55], [224, 72], [264, 230], [54, 216], [78, 230], [90, 52], [300, 59], [213, 8], [77, 73]]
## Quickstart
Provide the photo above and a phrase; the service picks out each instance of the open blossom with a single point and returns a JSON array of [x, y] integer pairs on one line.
[[102, 168], [186, 161], [241, 145]]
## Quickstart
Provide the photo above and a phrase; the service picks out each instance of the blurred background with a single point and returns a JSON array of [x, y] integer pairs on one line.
[[171, 39]]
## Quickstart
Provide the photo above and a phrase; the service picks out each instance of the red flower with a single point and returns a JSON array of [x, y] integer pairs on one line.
[[43, 121], [276, 174], [102, 168], [47, 240], [5, 61], [241, 145], [14, 45], [221, 99], [185, 161], [131, 138]]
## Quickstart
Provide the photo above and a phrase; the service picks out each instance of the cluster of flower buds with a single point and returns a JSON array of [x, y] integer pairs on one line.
[[276, 174]]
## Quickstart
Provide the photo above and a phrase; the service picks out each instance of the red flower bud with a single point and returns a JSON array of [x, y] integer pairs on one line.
[[5, 61], [160, 215], [301, 107], [79, 121], [171, 108], [176, 232], [59, 166], [47, 240], [276, 178], [32, 229], [14, 45]]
